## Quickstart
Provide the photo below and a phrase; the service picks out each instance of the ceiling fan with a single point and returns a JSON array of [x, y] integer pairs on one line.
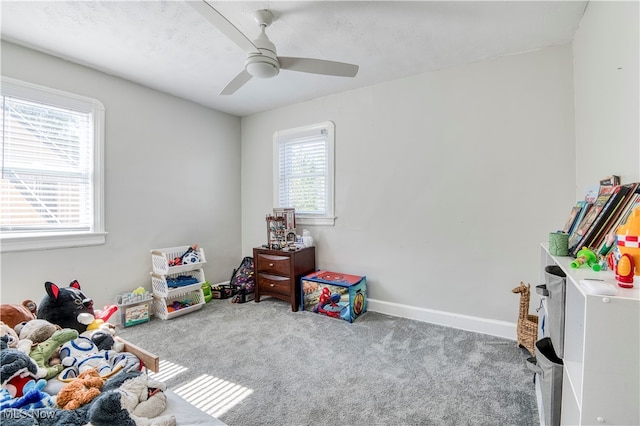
[[262, 59]]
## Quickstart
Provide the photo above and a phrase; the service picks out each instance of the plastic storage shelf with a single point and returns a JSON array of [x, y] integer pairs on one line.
[[195, 298], [160, 260], [162, 289], [165, 296]]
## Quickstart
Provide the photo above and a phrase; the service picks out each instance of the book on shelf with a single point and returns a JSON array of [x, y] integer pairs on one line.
[[605, 192], [607, 236], [573, 217], [609, 212], [614, 214], [573, 237], [590, 195]]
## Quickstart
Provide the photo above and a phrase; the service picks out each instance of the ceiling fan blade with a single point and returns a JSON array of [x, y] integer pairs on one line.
[[223, 24], [237, 82], [318, 66]]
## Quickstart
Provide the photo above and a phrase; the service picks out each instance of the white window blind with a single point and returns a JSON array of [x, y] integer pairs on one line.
[[304, 172], [48, 183], [303, 175]]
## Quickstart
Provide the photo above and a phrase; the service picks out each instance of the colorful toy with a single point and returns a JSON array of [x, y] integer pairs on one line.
[[107, 312], [586, 256], [32, 399], [629, 247], [177, 305], [334, 294], [189, 256]]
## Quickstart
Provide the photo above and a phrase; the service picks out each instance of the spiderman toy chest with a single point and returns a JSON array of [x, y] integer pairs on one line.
[[334, 294]]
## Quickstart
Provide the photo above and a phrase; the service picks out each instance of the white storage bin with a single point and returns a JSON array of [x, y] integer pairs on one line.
[[160, 304], [162, 289], [160, 260], [135, 312]]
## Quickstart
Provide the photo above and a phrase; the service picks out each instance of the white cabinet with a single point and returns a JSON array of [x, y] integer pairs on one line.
[[601, 380]]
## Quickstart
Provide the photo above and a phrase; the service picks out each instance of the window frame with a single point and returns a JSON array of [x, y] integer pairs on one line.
[[282, 136], [53, 240]]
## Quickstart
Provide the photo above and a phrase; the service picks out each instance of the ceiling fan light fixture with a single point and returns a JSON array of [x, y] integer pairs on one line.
[[262, 69]]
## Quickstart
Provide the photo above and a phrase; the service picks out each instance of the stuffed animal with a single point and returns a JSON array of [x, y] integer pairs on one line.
[[33, 398], [16, 369], [67, 307], [12, 314], [35, 331], [102, 335], [82, 390], [12, 336], [43, 352], [41, 340], [140, 396], [82, 354]]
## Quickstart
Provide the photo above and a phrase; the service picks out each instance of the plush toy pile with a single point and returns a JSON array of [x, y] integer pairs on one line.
[[60, 365]]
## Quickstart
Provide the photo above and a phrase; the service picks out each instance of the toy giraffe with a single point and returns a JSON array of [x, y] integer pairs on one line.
[[527, 331]]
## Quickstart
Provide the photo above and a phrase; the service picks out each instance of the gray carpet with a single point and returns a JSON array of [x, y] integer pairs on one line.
[[300, 368]]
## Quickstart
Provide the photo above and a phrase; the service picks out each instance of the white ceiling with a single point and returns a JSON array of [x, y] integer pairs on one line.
[[168, 46]]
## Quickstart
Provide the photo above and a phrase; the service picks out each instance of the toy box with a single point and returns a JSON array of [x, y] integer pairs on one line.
[[334, 294], [135, 313]]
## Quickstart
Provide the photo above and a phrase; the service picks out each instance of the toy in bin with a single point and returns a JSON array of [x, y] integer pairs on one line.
[[334, 294], [177, 305], [190, 256]]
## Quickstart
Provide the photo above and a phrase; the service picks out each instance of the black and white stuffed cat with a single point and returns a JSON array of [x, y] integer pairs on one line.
[[67, 307]]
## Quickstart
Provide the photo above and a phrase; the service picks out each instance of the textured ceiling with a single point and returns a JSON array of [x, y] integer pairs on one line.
[[168, 46]]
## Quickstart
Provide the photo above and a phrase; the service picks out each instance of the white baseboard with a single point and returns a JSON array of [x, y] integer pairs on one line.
[[491, 327]]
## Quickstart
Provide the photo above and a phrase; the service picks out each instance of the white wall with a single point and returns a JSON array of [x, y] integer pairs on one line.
[[172, 179], [606, 75], [446, 182]]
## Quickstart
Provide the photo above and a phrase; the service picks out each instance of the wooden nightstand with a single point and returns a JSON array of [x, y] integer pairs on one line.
[[278, 273]]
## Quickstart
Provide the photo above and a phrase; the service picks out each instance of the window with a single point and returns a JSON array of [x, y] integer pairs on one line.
[[304, 172], [51, 185]]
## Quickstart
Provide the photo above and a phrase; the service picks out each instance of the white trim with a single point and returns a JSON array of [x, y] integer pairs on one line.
[[60, 98], [324, 221], [491, 327], [10, 243]]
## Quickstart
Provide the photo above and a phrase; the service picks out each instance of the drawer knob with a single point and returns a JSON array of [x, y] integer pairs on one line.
[[600, 419], [271, 264], [606, 300], [272, 285]]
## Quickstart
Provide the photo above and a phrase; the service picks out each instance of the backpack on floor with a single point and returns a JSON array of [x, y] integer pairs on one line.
[[243, 280]]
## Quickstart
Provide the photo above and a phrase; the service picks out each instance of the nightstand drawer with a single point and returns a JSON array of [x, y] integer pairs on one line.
[[274, 284], [272, 264]]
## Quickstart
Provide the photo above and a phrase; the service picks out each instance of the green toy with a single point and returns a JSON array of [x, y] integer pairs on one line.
[[586, 256]]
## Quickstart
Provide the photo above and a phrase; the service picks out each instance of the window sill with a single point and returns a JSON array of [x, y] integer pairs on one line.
[[321, 221], [50, 241]]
